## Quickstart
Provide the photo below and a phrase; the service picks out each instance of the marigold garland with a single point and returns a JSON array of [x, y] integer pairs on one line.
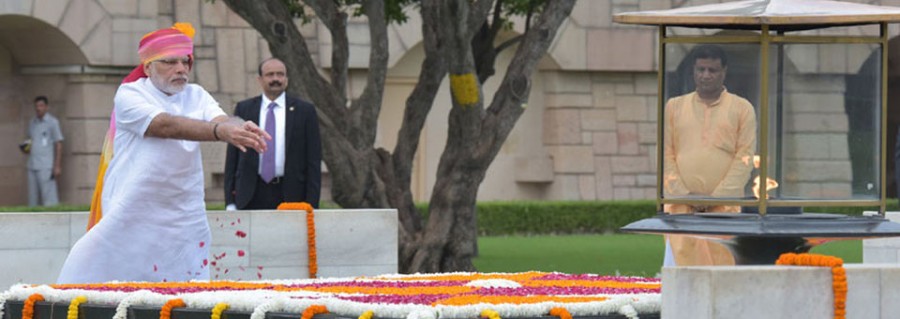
[[313, 310], [490, 314], [367, 315], [28, 308], [166, 311], [73, 307], [310, 232], [560, 312], [217, 310], [838, 275]]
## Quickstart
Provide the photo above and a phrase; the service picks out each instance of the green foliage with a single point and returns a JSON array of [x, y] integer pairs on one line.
[[522, 7], [505, 218], [571, 217]]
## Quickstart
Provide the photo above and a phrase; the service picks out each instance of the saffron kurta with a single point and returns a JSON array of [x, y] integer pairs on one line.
[[154, 226], [708, 152]]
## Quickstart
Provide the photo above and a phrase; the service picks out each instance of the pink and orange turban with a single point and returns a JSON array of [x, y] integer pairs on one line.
[[174, 41], [177, 40]]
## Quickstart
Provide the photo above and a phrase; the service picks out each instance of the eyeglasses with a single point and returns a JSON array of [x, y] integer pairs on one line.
[[173, 61]]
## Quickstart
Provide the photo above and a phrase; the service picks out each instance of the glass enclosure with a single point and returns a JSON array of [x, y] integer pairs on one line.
[[806, 117]]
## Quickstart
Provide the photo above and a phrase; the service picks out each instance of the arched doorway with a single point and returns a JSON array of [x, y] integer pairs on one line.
[[34, 60]]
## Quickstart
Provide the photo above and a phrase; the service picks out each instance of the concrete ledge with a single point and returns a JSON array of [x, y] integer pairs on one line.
[[252, 244], [776, 292]]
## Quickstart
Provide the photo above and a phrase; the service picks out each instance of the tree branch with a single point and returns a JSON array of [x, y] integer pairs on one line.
[[418, 105], [510, 100], [336, 22], [508, 43], [364, 111], [273, 21], [477, 16]]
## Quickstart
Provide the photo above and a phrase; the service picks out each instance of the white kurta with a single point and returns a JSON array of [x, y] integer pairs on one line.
[[154, 225]]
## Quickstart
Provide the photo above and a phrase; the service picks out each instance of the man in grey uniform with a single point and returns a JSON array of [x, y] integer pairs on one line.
[[45, 155]]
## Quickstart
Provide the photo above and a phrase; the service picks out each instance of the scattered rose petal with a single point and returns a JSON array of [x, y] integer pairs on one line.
[[217, 276], [202, 244], [259, 275], [226, 270], [240, 234], [213, 263], [259, 267], [232, 223], [155, 268], [239, 220], [205, 262], [240, 253]]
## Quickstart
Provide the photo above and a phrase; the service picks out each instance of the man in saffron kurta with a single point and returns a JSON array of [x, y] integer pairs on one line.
[[154, 225], [710, 139]]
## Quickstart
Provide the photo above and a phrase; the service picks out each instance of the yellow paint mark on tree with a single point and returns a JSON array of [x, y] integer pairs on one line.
[[465, 88]]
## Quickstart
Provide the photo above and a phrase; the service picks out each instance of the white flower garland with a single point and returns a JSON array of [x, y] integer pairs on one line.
[[139, 297], [628, 311], [422, 314], [494, 283], [3, 298], [260, 302]]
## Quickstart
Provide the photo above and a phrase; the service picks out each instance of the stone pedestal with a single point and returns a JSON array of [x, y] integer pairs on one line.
[[777, 292], [246, 245]]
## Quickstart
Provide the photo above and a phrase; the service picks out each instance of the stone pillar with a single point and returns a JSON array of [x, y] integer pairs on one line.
[[89, 102]]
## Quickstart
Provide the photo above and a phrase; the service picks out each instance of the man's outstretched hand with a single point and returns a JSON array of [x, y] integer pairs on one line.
[[243, 134]]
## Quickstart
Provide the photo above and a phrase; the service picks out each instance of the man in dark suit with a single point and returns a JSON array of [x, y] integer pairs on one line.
[[290, 169]]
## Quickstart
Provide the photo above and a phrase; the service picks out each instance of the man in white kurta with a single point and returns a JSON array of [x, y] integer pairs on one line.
[[154, 225]]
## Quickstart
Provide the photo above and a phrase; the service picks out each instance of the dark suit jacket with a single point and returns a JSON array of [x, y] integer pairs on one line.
[[303, 157]]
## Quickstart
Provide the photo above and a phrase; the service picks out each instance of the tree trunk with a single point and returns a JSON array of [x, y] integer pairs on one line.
[[475, 134], [363, 176]]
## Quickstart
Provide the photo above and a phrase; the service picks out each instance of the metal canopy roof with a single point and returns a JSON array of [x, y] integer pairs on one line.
[[777, 14]]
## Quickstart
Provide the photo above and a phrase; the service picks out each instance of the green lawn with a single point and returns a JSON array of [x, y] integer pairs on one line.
[[625, 254]]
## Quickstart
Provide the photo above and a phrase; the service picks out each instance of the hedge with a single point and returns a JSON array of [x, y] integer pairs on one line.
[[576, 217], [538, 217]]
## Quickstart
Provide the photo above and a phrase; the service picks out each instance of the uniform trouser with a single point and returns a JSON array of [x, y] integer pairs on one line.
[[692, 251], [42, 188]]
